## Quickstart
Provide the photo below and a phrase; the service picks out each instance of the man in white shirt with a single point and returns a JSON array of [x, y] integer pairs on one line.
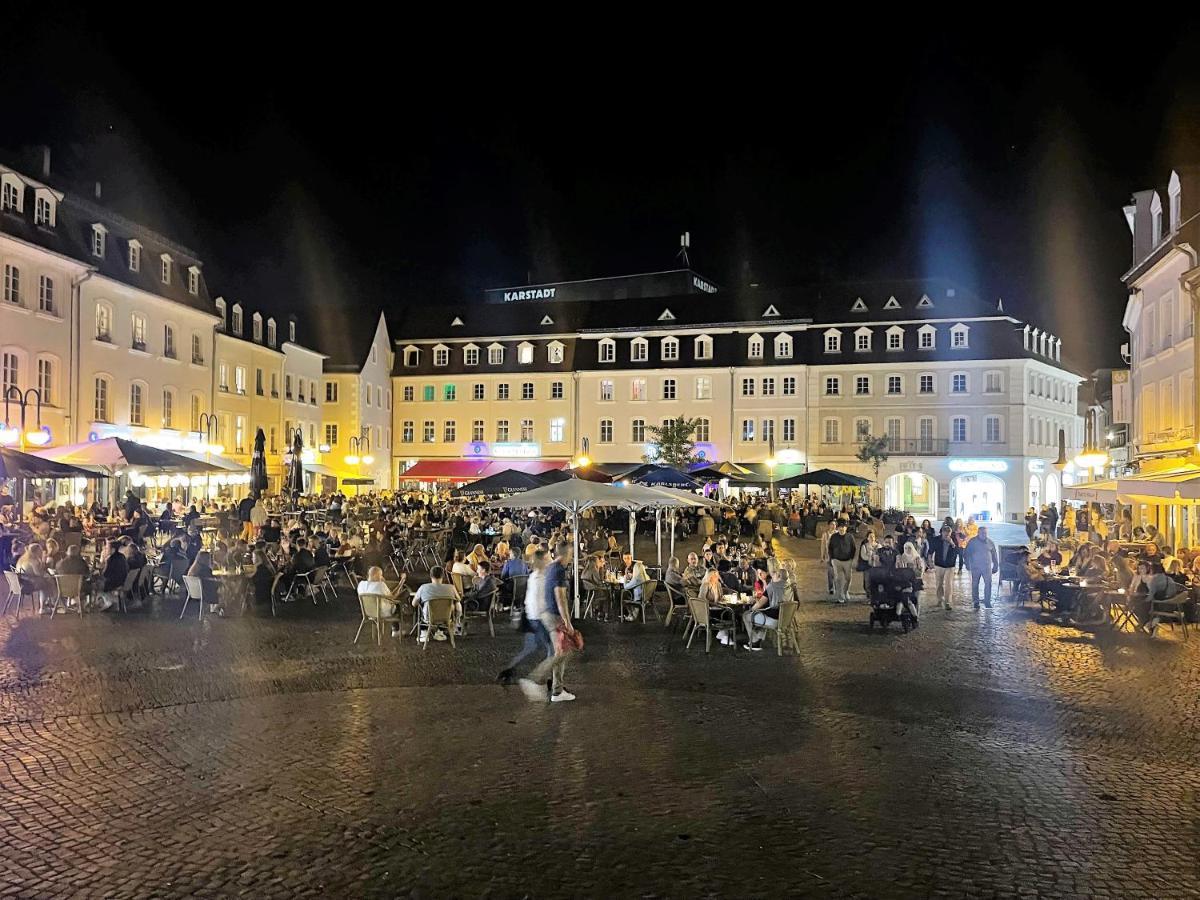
[[375, 586]]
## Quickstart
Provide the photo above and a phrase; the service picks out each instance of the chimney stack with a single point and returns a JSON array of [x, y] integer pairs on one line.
[[45, 161], [97, 190]]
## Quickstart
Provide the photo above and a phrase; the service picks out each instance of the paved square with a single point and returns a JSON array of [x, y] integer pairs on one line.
[[985, 755]]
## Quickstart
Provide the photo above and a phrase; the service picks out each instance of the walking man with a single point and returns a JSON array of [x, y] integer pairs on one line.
[[555, 614], [842, 552], [983, 560], [944, 552]]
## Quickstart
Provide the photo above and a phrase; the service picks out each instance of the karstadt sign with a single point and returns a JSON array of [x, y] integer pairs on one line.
[[532, 294]]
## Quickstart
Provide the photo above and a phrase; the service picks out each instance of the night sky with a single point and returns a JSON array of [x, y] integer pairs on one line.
[[338, 168]]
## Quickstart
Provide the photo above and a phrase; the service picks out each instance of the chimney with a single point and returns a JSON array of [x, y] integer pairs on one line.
[[45, 161], [97, 190]]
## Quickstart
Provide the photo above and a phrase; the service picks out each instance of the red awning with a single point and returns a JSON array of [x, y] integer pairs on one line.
[[445, 470], [528, 466]]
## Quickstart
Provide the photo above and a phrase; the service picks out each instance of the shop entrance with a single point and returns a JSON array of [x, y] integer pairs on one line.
[[912, 492], [977, 494]]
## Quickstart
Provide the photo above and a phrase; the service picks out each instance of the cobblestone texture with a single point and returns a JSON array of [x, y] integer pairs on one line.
[[985, 755]]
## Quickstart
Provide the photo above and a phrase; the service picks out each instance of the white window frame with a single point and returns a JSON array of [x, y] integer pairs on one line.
[[164, 269], [639, 350], [441, 355], [555, 352], [966, 383], [755, 346], [831, 435], [99, 238], [861, 382], [495, 354], [888, 385], [988, 436], [833, 341], [955, 421], [987, 376], [783, 346], [703, 387], [669, 349], [605, 431], [471, 355], [863, 340], [896, 333], [702, 347], [926, 332], [958, 331], [525, 353], [932, 381], [607, 350], [135, 255], [834, 382]]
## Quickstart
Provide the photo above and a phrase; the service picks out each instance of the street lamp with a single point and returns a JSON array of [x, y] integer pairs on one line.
[[208, 430], [360, 445], [10, 435]]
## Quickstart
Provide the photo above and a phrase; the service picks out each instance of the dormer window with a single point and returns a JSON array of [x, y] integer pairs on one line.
[[554, 352], [1156, 218], [639, 350], [833, 341], [194, 281], [754, 347], [470, 355], [256, 325], [292, 332], [270, 332], [237, 319], [98, 235], [221, 313], [441, 355], [862, 340], [669, 348], [164, 269], [412, 356], [926, 337], [608, 350], [135, 256], [958, 336], [525, 353], [895, 338], [495, 354], [703, 347], [10, 195], [44, 208], [783, 346]]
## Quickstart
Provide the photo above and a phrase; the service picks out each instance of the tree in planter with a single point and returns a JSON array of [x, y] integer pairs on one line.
[[673, 443], [874, 452]]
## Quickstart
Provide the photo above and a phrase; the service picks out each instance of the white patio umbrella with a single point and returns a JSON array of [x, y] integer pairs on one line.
[[577, 495]]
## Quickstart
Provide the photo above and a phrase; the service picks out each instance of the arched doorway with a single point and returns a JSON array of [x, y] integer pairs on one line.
[[977, 494], [912, 492], [1035, 492], [1053, 494]]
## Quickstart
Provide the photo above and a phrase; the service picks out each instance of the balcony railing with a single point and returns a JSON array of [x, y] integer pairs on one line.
[[918, 446]]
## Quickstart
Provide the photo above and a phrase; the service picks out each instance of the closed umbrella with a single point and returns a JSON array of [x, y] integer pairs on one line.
[[295, 477], [258, 464]]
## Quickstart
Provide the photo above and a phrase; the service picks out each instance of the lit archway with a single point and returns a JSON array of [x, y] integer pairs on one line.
[[977, 494], [1053, 494], [1035, 492], [912, 492]]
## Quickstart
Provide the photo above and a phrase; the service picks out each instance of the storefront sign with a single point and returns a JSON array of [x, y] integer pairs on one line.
[[703, 285], [1037, 465], [532, 294], [978, 465], [523, 449]]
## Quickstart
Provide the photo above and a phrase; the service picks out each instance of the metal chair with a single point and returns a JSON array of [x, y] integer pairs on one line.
[[699, 619], [648, 589], [20, 590], [1170, 611], [194, 587], [678, 602], [437, 613], [70, 587], [372, 606]]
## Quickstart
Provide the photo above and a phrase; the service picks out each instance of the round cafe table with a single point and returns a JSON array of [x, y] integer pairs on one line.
[[730, 608]]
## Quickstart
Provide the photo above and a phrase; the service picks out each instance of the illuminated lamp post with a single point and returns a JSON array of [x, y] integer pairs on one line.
[[360, 452], [10, 435]]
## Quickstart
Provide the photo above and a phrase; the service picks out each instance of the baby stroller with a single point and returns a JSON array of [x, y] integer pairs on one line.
[[895, 597]]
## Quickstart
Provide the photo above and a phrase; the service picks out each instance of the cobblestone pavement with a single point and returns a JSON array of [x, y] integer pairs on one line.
[[984, 755]]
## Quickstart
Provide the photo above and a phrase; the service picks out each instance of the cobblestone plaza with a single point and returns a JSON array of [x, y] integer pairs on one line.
[[986, 754]]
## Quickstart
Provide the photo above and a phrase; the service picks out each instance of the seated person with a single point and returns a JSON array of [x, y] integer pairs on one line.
[[116, 569], [1147, 586], [374, 585], [1152, 556], [301, 563], [483, 587], [436, 589], [674, 576], [693, 574], [634, 581], [1050, 556], [321, 555], [271, 532], [460, 566], [73, 563], [764, 614], [263, 578]]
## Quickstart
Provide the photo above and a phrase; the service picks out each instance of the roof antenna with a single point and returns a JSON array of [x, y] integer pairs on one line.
[[685, 241]]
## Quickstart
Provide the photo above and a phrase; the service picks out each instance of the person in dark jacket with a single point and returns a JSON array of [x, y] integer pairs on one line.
[[842, 552], [944, 553]]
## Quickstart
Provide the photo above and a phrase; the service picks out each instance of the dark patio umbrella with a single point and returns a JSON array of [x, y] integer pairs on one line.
[[583, 473], [665, 476], [827, 477], [295, 475], [258, 464], [15, 464], [510, 481]]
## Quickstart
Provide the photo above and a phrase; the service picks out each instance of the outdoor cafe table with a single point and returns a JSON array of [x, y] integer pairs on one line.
[[232, 585], [730, 607]]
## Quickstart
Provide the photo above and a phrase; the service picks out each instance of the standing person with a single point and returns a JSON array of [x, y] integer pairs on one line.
[[866, 558], [841, 554], [944, 552], [531, 623], [825, 536], [556, 617], [983, 560], [1031, 524], [245, 505]]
